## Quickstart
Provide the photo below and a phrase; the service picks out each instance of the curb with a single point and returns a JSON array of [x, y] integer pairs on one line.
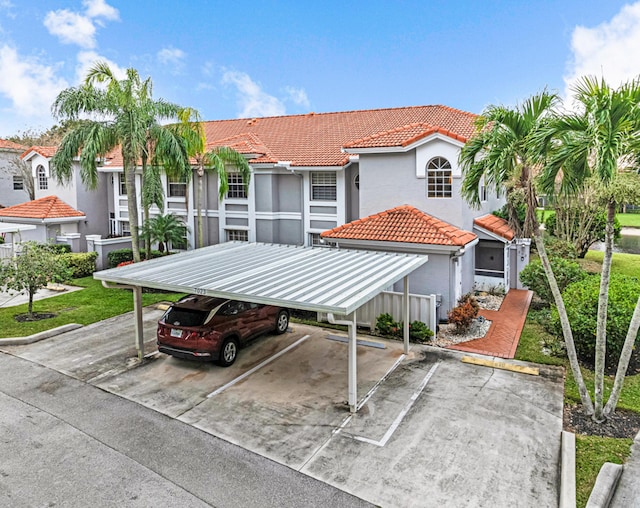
[[605, 486], [30, 339], [568, 470]]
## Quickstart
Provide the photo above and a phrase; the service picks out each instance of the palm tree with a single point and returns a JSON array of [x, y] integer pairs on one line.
[[595, 141], [165, 229], [123, 114], [212, 160], [503, 154]]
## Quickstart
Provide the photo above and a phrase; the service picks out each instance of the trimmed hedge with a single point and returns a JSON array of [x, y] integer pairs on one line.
[[581, 301], [115, 257], [566, 271], [82, 264]]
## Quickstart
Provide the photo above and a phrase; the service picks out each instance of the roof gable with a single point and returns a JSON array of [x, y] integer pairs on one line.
[[404, 224], [402, 136], [495, 225], [49, 207], [5, 144]]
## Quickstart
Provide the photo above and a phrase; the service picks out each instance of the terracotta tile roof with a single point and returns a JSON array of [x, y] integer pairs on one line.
[[45, 151], [402, 224], [245, 143], [402, 136], [317, 139], [49, 207], [495, 225], [5, 144]]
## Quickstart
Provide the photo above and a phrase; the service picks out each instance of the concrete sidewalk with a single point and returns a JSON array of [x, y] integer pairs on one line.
[[627, 494], [10, 298]]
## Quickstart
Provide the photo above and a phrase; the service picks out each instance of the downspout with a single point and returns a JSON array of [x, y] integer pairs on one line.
[[137, 310]]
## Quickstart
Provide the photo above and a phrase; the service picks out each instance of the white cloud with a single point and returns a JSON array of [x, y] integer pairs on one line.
[[609, 50], [75, 28], [100, 9], [87, 59], [29, 85], [298, 96], [252, 100], [71, 28], [172, 56]]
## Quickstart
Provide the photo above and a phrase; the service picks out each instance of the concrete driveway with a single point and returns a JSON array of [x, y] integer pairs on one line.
[[433, 431]]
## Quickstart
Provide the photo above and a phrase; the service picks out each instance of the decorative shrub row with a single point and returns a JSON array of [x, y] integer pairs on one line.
[[389, 327], [115, 257], [81, 264], [565, 270]]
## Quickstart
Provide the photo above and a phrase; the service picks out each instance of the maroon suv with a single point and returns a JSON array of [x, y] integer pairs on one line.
[[207, 328]]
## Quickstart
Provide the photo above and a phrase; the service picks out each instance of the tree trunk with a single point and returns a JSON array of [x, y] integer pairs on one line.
[[132, 206], [564, 322], [603, 301], [30, 309], [623, 363]]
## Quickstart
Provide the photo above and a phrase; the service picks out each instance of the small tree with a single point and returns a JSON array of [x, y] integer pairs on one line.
[[165, 229], [33, 269]]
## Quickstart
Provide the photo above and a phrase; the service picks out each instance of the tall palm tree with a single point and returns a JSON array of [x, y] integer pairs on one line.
[[502, 153], [122, 114], [213, 159], [596, 140]]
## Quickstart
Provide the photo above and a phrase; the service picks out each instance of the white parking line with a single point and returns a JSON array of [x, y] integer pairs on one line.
[[396, 423], [375, 387], [257, 367]]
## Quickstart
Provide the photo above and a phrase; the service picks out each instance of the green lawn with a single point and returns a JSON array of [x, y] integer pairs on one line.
[[629, 220], [91, 304], [625, 264]]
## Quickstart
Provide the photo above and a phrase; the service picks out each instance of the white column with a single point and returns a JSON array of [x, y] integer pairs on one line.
[[139, 331], [405, 301], [353, 366]]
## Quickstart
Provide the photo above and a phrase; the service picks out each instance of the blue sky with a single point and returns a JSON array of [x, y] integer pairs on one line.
[[246, 59]]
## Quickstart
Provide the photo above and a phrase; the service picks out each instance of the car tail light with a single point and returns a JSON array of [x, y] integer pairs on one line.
[[192, 336]]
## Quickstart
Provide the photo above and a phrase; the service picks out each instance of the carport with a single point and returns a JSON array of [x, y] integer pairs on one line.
[[334, 281]]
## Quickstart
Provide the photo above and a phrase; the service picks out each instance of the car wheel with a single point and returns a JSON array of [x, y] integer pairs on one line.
[[282, 322], [228, 352]]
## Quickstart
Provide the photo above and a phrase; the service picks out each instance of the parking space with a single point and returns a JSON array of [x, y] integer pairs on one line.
[[431, 430]]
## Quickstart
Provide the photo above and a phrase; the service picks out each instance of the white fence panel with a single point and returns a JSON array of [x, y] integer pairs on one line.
[[421, 308], [6, 251]]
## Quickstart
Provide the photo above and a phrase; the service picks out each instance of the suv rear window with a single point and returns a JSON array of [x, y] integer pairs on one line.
[[185, 317]]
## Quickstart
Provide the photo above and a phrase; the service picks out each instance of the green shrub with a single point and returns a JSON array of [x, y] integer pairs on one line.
[[115, 257], [566, 272], [464, 313], [59, 248], [419, 332], [81, 264], [581, 301], [557, 248], [386, 325]]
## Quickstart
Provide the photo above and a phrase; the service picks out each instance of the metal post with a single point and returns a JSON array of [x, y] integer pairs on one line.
[[353, 365], [406, 314], [137, 310]]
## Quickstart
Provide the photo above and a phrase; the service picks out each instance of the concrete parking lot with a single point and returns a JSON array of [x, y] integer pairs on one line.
[[433, 431]]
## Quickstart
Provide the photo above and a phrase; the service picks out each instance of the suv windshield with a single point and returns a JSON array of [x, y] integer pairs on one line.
[[185, 317]]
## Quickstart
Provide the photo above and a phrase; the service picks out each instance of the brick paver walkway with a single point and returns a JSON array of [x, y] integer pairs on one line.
[[506, 326]]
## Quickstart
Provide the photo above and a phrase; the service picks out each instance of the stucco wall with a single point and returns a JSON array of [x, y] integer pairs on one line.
[[9, 196]]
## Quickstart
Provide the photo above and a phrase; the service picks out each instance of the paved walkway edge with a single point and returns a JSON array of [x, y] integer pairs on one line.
[[605, 486], [30, 339], [568, 470]]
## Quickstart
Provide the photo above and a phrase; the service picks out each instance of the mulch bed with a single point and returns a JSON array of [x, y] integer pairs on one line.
[[621, 424], [37, 316]]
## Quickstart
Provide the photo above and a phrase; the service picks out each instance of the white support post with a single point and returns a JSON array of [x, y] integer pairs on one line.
[[406, 314], [353, 365], [137, 310]]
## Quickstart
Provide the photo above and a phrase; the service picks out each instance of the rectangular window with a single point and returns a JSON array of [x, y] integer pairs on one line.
[[236, 186], [237, 235], [123, 185], [483, 191], [323, 186], [316, 241], [18, 183], [125, 230], [439, 184], [183, 243], [176, 187]]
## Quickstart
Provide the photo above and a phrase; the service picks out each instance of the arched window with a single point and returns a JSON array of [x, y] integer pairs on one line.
[[438, 178], [356, 181], [43, 181]]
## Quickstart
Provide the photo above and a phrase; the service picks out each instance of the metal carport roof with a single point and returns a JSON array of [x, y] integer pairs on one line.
[[335, 281]]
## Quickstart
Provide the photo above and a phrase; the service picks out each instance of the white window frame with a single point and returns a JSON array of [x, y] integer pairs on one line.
[[237, 235], [176, 187], [18, 183], [439, 178], [43, 181], [322, 183], [237, 188], [316, 241], [122, 185]]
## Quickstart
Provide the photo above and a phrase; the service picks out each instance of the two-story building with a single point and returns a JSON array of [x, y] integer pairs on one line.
[[315, 172]]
